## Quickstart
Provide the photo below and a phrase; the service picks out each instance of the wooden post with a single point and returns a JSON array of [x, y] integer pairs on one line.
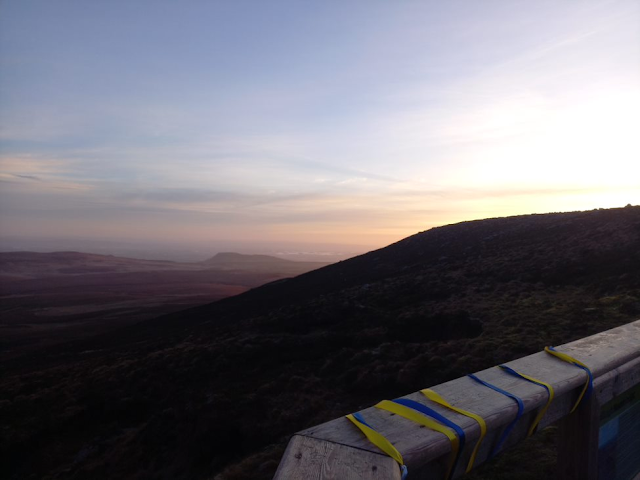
[[309, 458], [578, 436]]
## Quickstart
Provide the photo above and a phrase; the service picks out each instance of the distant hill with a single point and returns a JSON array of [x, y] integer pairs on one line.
[[237, 261], [215, 391], [38, 265]]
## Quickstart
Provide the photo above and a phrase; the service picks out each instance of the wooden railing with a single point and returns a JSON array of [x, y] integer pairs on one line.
[[338, 450]]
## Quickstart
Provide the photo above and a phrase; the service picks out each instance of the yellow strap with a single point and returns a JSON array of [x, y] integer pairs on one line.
[[541, 413], [414, 416], [435, 397], [378, 440], [564, 356], [570, 359]]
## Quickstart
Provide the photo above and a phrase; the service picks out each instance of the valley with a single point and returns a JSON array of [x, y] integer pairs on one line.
[[47, 298]]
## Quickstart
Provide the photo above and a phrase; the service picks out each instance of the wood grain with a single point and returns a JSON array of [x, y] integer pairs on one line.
[[617, 381], [313, 459]]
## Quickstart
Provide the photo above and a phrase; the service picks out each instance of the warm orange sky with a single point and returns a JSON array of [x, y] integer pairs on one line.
[[351, 124]]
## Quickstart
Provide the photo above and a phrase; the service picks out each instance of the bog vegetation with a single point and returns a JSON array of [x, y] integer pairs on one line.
[[215, 392]]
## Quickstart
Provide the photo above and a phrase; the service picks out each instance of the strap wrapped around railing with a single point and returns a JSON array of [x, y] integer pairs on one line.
[[379, 441], [411, 413], [437, 398], [507, 431], [588, 386], [545, 385]]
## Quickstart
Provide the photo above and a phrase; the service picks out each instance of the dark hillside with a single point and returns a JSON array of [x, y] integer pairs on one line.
[[215, 391], [554, 249]]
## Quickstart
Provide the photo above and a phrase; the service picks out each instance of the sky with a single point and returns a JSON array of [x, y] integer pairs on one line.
[[350, 124]]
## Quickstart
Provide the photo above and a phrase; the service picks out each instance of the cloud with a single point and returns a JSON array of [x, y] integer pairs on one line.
[[181, 196], [419, 115], [39, 173], [28, 164], [29, 177], [8, 177]]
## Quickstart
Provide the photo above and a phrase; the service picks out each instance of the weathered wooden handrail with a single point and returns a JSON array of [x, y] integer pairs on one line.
[[338, 450]]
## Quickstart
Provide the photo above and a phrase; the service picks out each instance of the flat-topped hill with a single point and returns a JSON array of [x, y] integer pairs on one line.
[[238, 261]]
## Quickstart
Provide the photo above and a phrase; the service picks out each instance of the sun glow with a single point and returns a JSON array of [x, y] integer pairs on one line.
[[588, 144], [323, 128]]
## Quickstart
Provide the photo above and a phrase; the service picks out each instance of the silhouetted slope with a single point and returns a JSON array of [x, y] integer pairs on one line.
[[553, 248], [218, 389]]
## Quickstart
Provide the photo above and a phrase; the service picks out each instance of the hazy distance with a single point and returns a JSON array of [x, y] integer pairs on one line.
[[178, 251]]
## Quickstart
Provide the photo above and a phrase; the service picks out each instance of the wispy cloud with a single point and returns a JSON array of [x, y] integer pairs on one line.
[[11, 176], [40, 173], [362, 124]]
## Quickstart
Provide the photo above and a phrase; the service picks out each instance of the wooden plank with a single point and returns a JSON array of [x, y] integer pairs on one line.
[[578, 443], [308, 458], [617, 381], [603, 353]]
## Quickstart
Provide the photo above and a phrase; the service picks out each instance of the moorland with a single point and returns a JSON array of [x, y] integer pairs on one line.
[[49, 298], [215, 391]]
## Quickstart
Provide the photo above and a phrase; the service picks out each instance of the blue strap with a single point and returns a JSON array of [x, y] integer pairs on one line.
[[540, 383], [360, 418], [433, 414], [507, 430], [525, 377], [404, 471], [403, 468], [590, 387]]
